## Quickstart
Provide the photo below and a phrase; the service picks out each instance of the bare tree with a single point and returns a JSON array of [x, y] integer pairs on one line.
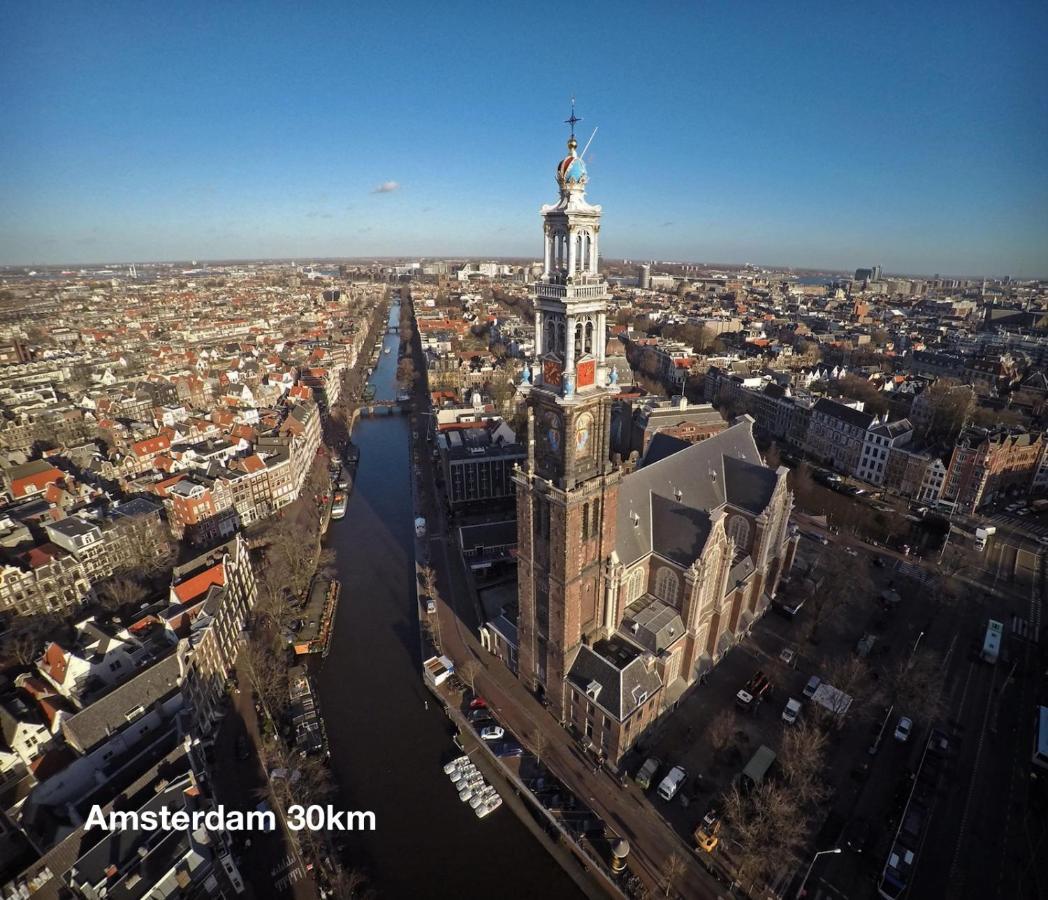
[[853, 676], [468, 671], [119, 592], [349, 883], [769, 828], [26, 637], [802, 760], [915, 686], [673, 870], [539, 744]]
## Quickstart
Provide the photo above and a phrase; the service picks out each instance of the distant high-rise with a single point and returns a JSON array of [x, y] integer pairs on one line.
[[644, 277]]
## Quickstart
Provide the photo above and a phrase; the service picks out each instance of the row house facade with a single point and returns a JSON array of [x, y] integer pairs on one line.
[[221, 586], [837, 434], [988, 463], [46, 579]]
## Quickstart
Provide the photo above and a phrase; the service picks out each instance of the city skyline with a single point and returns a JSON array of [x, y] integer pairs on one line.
[[732, 135]]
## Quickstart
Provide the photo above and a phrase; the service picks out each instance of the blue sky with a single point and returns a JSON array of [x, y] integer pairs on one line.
[[810, 134]]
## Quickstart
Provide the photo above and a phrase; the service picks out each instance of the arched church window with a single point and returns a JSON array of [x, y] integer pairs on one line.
[[667, 585], [560, 338], [589, 335], [635, 586], [578, 339], [739, 531]]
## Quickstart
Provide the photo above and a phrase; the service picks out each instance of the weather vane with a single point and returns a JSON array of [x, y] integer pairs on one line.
[[573, 118]]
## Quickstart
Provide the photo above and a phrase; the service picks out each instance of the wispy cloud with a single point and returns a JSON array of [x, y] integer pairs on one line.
[[387, 187], [666, 224], [316, 214]]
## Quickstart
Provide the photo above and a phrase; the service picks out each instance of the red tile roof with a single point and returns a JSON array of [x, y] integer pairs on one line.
[[199, 584]]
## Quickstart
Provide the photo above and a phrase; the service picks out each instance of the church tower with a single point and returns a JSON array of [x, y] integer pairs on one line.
[[566, 494]]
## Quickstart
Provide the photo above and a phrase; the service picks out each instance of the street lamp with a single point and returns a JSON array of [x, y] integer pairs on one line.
[[800, 890]]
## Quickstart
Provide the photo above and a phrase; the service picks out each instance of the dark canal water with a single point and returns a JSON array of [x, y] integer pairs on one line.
[[387, 749]]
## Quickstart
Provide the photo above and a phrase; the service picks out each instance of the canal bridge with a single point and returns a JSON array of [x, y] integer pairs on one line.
[[382, 408]]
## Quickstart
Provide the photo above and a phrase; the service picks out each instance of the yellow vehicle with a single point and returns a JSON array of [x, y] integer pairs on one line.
[[707, 832]]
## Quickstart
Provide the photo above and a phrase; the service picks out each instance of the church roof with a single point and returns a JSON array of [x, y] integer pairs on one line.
[[665, 506]]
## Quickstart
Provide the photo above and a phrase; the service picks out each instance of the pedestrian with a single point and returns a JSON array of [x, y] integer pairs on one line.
[[426, 703]]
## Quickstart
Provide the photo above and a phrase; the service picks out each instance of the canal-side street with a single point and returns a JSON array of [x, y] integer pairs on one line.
[[388, 738]]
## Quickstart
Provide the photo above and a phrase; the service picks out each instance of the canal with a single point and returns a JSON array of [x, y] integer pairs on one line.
[[387, 748]]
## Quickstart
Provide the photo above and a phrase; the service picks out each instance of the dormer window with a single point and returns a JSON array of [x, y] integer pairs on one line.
[[639, 696], [593, 690]]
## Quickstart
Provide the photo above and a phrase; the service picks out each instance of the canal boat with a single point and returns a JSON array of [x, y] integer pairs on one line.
[[386, 350], [454, 764], [318, 617], [309, 735], [481, 796], [338, 505], [489, 806]]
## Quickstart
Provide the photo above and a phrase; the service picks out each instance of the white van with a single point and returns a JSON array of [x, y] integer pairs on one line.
[[669, 785]]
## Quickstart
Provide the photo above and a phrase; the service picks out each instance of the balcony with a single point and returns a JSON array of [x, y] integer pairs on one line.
[[571, 291]]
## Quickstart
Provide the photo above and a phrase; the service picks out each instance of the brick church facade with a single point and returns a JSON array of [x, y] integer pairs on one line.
[[630, 585]]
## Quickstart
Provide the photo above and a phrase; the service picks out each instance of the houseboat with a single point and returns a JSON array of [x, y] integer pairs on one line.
[[318, 618], [309, 735]]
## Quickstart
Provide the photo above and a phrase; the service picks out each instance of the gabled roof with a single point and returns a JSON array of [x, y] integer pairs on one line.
[[198, 584], [847, 414], [680, 490], [619, 670]]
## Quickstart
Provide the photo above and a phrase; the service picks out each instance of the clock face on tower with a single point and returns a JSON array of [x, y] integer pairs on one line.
[[584, 435], [552, 372]]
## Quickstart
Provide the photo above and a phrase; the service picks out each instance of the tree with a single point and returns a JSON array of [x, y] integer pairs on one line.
[[24, 640], [915, 686], [839, 583], [948, 404], [673, 869], [119, 592], [468, 672], [539, 745], [721, 731], [502, 388], [773, 458], [853, 676], [769, 829], [802, 760]]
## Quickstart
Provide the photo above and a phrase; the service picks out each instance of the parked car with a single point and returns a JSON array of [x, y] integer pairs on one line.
[[478, 703], [478, 713], [792, 710], [507, 749], [903, 729], [669, 785], [646, 773], [492, 733], [812, 686]]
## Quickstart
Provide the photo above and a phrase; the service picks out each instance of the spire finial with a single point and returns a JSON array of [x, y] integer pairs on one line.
[[573, 119]]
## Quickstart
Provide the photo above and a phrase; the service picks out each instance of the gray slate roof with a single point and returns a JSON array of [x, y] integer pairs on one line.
[[652, 516], [91, 726], [619, 669]]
